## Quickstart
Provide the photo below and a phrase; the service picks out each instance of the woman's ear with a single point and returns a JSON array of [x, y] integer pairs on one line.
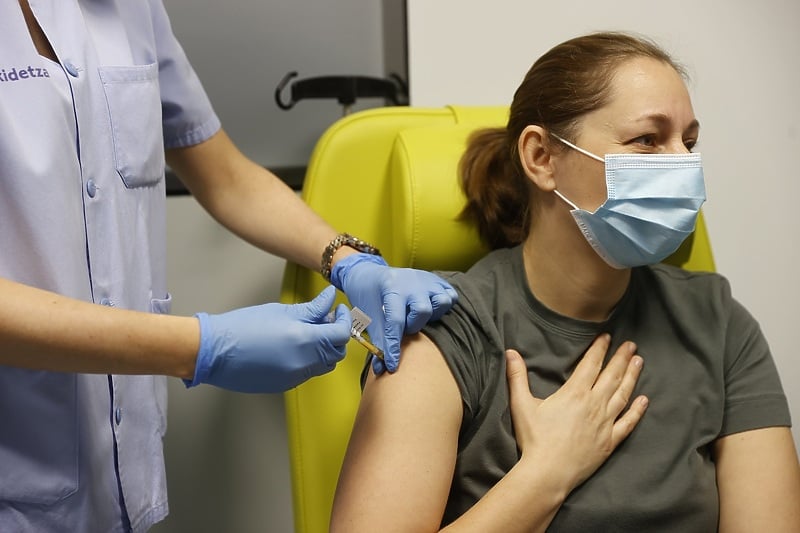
[[535, 154]]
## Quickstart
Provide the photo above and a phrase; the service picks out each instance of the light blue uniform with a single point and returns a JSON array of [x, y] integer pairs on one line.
[[82, 213]]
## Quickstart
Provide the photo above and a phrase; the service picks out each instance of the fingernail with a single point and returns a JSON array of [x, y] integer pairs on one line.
[[638, 362]]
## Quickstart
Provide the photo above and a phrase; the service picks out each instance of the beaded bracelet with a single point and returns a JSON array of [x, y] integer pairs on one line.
[[343, 239]]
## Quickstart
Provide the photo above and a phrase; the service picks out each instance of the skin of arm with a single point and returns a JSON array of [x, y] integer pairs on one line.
[[46, 331], [401, 457], [252, 202], [759, 481]]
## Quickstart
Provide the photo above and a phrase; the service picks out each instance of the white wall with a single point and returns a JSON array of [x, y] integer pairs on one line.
[[226, 453], [743, 59]]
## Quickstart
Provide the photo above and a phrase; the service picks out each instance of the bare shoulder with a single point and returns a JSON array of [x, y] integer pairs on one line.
[[404, 443], [422, 371]]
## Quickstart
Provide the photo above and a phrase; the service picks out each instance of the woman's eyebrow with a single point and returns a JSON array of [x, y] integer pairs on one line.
[[660, 119], [694, 125]]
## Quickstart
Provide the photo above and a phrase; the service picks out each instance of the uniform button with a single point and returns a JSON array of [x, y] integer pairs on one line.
[[71, 69], [91, 188], [118, 415], [107, 301]]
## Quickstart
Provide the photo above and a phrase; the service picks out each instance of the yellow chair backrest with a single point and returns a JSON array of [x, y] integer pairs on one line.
[[389, 176]]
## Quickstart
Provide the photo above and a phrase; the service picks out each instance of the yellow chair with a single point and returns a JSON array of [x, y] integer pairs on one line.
[[388, 176]]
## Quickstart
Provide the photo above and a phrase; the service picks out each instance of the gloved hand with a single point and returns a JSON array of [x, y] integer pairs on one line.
[[271, 347], [398, 300]]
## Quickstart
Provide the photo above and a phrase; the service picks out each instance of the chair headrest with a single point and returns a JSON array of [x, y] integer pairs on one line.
[[427, 199]]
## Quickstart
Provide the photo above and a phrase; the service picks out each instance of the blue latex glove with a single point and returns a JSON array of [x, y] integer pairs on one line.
[[271, 347], [398, 300]]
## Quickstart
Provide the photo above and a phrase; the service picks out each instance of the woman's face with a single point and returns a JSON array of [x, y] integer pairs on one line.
[[649, 112]]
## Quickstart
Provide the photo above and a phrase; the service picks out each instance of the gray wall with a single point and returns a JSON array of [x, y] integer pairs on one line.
[[227, 458], [241, 49]]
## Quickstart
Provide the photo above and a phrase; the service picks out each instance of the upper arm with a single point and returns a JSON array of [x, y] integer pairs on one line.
[[400, 459], [759, 481], [208, 167]]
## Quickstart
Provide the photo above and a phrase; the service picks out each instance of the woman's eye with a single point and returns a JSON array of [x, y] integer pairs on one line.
[[644, 140], [690, 144]]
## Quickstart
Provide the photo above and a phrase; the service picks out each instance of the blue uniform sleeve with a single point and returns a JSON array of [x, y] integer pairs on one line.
[[187, 115]]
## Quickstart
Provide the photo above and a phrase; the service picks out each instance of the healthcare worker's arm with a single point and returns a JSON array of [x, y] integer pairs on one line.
[[46, 331], [759, 481], [417, 414], [258, 207], [265, 348], [251, 201]]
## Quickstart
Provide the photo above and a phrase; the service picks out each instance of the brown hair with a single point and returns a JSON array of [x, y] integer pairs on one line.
[[569, 81]]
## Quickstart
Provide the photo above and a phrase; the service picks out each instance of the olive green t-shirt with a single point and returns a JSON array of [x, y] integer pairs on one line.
[[708, 372]]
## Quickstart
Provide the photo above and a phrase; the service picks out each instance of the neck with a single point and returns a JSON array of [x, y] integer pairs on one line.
[[567, 276], [37, 35]]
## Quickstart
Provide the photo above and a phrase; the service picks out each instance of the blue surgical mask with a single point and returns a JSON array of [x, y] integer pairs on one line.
[[652, 206]]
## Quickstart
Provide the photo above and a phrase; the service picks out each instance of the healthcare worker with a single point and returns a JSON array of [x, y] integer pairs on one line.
[[92, 94]]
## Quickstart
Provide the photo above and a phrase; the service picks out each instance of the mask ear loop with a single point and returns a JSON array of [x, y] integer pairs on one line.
[[558, 193], [584, 152], [581, 150]]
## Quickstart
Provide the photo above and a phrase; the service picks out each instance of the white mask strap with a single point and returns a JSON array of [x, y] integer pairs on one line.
[[581, 150], [565, 199]]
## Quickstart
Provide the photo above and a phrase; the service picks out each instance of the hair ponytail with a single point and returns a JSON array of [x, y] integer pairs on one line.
[[497, 195]]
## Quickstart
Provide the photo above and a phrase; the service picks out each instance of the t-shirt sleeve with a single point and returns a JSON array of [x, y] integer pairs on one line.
[[465, 344], [754, 397], [187, 115]]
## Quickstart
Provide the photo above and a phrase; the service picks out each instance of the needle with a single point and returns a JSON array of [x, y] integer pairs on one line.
[[360, 323], [374, 350]]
